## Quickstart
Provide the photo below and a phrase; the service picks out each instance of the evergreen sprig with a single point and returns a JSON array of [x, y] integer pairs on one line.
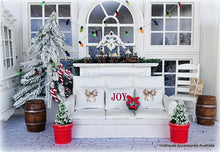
[[62, 115], [180, 117]]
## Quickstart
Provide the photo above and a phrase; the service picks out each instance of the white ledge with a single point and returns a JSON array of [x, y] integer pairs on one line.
[[119, 65]]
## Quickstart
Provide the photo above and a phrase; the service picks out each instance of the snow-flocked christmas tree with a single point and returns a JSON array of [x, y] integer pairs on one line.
[[44, 72], [62, 115], [180, 117]]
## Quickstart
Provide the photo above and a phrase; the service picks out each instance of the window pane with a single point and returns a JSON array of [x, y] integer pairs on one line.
[[157, 10], [4, 62], [97, 15], [170, 79], [172, 9], [93, 51], [159, 26], [7, 48], [6, 32], [186, 10], [110, 7], [36, 25], [184, 62], [9, 34], [185, 39], [33, 35], [171, 39], [64, 10], [107, 51], [12, 62], [10, 46], [68, 38], [8, 63], [185, 24], [125, 16], [123, 50], [110, 21], [49, 9], [109, 29], [171, 24], [64, 26], [156, 39], [129, 38], [169, 91], [170, 66], [36, 11], [97, 31]]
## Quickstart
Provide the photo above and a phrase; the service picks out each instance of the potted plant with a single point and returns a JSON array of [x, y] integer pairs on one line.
[[62, 126], [179, 124]]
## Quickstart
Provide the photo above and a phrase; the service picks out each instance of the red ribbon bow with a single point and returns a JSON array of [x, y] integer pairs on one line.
[[130, 99]]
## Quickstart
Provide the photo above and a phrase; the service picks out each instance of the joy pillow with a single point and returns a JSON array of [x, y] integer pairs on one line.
[[90, 98], [116, 97], [150, 97]]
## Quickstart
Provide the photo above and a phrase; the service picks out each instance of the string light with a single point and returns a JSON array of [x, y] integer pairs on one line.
[[81, 29], [67, 53], [128, 3], [42, 3], [20, 72], [155, 22], [141, 30], [126, 34], [117, 13], [94, 34], [53, 64], [180, 5], [81, 44], [168, 14], [67, 22]]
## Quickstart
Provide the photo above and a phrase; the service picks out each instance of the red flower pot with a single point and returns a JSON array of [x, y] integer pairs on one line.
[[62, 133], [179, 133]]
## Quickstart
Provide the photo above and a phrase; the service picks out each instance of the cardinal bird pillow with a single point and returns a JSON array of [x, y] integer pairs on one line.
[[150, 97], [88, 98]]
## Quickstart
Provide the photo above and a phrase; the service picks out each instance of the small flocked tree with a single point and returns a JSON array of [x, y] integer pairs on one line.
[[45, 72], [62, 117], [180, 117]]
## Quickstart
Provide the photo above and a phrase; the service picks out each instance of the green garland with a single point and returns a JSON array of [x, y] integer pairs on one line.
[[121, 59]]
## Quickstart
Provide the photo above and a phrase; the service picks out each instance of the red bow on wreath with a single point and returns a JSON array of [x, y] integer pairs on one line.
[[132, 103]]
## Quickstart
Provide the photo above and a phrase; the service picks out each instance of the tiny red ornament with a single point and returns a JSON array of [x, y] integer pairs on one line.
[[36, 72]]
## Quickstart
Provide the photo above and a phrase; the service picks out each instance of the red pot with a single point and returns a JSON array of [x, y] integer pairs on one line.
[[62, 133], [179, 133]]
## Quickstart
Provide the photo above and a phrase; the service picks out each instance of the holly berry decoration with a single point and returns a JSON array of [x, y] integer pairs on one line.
[[36, 71], [132, 103], [20, 72]]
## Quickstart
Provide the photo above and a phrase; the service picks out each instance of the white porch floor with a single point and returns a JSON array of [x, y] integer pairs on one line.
[[14, 137]]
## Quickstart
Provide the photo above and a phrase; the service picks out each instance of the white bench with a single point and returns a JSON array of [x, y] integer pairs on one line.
[[102, 123]]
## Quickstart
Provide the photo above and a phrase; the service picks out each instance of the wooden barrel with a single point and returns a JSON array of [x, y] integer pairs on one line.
[[206, 110], [35, 115]]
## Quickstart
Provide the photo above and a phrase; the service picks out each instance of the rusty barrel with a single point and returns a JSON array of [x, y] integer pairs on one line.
[[206, 110], [35, 115]]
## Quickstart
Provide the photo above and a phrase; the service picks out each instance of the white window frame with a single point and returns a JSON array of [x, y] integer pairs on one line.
[[173, 50], [134, 9], [43, 18], [117, 25], [8, 51], [163, 73], [178, 17], [26, 22]]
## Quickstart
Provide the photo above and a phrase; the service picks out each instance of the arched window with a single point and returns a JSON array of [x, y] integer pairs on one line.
[[110, 16]]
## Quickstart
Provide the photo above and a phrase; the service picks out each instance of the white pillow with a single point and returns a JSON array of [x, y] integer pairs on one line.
[[116, 97], [150, 97], [89, 98]]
